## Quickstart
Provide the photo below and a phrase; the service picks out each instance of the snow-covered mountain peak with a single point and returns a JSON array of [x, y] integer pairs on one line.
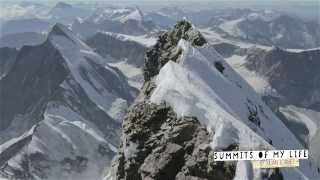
[[118, 14], [185, 73], [264, 15], [60, 32], [59, 29], [114, 19], [76, 99], [80, 57], [66, 13], [63, 5], [135, 15]]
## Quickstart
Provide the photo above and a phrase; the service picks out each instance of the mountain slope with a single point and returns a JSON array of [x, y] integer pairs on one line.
[[298, 68], [75, 100], [127, 51], [293, 78], [185, 78], [287, 82]]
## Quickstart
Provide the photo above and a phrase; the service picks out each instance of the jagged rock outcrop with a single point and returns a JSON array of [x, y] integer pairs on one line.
[[159, 145], [156, 143], [165, 49]]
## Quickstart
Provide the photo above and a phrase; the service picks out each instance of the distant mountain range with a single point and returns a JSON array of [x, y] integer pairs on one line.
[[110, 92], [127, 21], [270, 29], [263, 27]]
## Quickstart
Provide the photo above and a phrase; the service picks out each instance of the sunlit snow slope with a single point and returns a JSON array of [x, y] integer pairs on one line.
[[202, 84]]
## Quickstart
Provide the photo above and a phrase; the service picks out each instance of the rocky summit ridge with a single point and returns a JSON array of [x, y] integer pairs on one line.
[[156, 144], [166, 47]]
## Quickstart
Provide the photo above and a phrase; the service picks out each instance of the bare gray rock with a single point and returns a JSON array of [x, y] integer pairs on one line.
[[159, 145], [166, 47]]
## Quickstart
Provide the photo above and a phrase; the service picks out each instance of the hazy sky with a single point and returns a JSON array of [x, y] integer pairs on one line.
[[302, 7], [257, 1]]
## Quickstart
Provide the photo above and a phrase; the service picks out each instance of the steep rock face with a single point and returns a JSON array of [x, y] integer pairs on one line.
[[37, 83]]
